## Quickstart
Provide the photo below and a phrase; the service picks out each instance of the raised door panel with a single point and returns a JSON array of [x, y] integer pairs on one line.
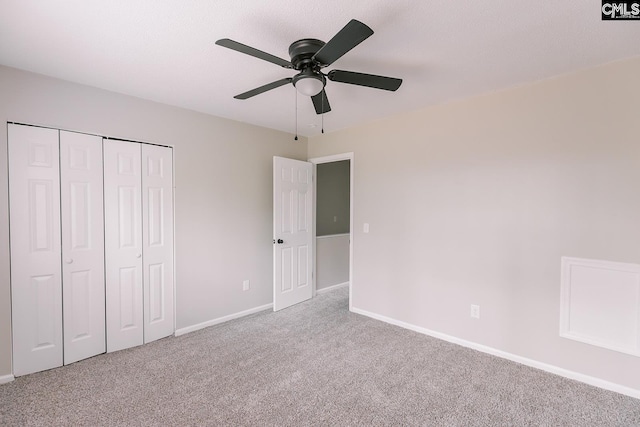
[[36, 292], [83, 285], [157, 205], [293, 219], [123, 244]]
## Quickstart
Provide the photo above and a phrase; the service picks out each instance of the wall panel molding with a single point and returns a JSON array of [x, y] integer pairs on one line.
[[600, 304]]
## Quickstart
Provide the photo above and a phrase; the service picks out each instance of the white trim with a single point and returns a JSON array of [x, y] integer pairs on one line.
[[6, 379], [223, 319], [175, 264], [329, 236], [332, 288], [597, 382], [328, 159], [332, 158]]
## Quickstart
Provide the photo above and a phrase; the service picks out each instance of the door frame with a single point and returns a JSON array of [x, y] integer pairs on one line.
[[330, 159]]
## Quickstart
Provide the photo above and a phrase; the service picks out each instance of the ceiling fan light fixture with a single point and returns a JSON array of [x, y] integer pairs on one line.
[[308, 84]]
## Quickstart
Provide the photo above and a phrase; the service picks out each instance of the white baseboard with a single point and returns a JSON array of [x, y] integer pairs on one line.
[[223, 319], [6, 379], [332, 288], [597, 382]]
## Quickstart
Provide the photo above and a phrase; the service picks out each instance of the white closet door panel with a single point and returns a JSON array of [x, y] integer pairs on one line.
[[83, 289], [36, 293], [157, 207], [123, 244]]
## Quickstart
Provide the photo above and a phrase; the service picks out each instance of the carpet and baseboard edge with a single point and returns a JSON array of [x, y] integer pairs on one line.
[[332, 288], [240, 314], [222, 319], [6, 379], [597, 382]]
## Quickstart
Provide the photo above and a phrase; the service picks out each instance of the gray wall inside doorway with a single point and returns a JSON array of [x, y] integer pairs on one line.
[[332, 208]]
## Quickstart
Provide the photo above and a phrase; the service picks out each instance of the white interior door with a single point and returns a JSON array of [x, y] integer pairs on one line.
[[123, 244], [83, 292], [157, 232], [292, 232], [36, 293]]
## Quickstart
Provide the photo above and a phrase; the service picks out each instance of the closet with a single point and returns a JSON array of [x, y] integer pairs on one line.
[[138, 243], [91, 236]]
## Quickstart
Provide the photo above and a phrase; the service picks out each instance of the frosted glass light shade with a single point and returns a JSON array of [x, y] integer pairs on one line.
[[309, 86]]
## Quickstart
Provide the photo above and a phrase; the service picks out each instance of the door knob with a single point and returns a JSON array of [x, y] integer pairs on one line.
[[68, 260], [138, 255], [280, 241]]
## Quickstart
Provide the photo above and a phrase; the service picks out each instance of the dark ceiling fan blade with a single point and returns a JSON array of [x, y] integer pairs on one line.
[[354, 33], [261, 89], [368, 80], [248, 50], [321, 102]]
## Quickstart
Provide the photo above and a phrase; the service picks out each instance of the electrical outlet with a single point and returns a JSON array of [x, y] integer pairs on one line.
[[246, 285], [475, 311], [335, 218], [365, 227]]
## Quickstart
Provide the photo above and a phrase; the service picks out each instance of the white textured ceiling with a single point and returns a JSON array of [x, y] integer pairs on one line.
[[164, 50]]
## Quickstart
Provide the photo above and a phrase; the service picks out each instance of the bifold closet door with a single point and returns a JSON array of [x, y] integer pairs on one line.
[[123, 244], [36, 288], [83, 291], [157, 226]]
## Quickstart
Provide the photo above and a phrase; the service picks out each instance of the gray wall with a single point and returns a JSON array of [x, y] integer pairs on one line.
[[332, 198], [476, 201], [223, 177], [332, 260]]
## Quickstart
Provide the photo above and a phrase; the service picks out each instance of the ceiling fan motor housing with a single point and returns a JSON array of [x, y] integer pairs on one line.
[[302, 51]]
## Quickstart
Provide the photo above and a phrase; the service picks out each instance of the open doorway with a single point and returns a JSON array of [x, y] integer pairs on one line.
[[333, 221]]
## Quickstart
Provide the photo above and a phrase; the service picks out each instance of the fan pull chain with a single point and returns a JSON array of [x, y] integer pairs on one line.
[[296, 138], [322, 118]]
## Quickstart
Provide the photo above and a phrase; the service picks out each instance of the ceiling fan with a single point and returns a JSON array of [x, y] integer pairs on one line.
[[309, 56]]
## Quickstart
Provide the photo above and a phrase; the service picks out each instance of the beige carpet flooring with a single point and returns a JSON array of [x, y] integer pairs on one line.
[[312, 364]]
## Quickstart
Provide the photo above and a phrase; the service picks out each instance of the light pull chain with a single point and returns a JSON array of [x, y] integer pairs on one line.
[[296, 138], [323, 95]]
